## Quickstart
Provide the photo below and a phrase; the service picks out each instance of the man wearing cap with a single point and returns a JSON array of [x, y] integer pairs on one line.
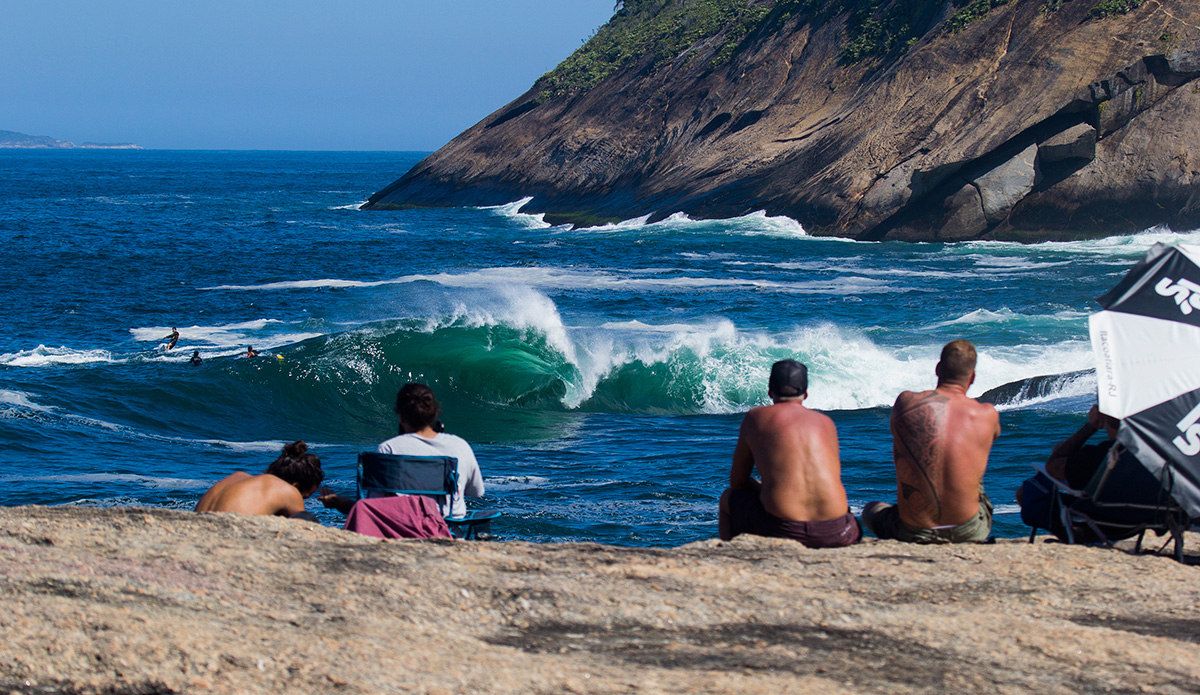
[[940, 443], [796, 453]]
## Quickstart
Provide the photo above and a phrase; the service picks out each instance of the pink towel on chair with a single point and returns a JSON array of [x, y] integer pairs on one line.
[[406, 516]]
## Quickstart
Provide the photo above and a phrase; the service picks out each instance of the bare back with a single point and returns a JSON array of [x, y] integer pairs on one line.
[[940, 443], [795, 450], [243, 493]]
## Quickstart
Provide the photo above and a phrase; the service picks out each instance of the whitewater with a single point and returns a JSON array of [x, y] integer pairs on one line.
[[600, 373]]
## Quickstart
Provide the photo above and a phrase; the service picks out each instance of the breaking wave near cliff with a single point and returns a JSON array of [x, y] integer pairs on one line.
[[515, 350], [757, 223]]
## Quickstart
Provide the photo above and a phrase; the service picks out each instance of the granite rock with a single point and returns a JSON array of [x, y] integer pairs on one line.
[[157, 601]]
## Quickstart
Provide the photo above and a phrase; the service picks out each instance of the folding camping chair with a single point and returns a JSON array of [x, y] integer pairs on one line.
[[432, 476], [1121, 500]]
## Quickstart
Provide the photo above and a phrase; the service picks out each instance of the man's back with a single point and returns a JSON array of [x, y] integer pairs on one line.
[[243, 493], [796, 452], [941, 441]]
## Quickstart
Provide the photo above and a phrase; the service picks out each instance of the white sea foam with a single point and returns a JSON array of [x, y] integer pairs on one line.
[[352, 206], [1123, 247], [43, 356], [754, 224], [1013, 264], [1006, 315], [513, 212], [308, 284], [123, 478], [20, 399], [125, 501], [264, 446], [510, 483], [224, 340], [569, 279]]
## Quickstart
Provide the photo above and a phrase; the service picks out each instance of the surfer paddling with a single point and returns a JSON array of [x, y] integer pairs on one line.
[[940, 442], [281, 491], [795, 450]]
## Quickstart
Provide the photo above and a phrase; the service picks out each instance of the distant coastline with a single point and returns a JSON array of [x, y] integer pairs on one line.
[[11, 140]]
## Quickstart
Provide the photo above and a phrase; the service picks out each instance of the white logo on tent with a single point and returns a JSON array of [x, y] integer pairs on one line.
[[1187, 293], [1188, 425]]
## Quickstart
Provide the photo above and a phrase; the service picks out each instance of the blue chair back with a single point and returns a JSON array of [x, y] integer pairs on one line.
[[435, 476]]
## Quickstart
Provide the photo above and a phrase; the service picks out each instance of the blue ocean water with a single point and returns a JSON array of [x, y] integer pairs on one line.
[[600, 373]]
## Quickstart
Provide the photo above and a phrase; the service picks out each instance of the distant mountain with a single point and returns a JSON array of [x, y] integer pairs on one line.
[[20, 141]]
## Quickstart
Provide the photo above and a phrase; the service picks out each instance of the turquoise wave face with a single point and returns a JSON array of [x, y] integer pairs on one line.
[[344, 384]]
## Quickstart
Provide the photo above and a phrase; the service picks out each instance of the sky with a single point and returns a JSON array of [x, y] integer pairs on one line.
[[276, 74]]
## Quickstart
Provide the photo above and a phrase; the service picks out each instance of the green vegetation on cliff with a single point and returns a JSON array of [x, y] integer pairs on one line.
[[662, 29], [656, 32], [970, 13], [1114, 7]]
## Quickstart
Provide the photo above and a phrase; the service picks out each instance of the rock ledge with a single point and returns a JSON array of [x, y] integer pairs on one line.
[[151, 601]]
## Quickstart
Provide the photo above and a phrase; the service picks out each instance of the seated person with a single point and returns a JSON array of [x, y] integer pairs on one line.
[[1074, 461], [421, 435], [940, 443], [796, 452], [281, 491]]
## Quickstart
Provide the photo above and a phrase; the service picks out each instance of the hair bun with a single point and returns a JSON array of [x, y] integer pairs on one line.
[[296, 448]]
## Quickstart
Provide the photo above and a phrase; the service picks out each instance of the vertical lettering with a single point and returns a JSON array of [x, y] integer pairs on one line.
[[1190, 419]]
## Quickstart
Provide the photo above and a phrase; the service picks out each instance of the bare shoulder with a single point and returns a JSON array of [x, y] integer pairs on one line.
[[754, 415], [820, 418], [988, 413], [275, 484], [235, 477], [983, 409]]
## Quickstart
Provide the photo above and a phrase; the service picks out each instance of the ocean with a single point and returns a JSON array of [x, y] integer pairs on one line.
[[599, 373]]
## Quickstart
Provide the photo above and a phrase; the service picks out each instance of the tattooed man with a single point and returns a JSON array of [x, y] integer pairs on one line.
[[940, 444], [795, 450]]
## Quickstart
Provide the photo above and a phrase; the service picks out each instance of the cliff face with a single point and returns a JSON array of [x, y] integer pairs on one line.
[[870, 119]]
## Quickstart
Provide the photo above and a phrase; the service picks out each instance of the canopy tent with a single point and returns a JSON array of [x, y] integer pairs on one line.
[[1146, 343]]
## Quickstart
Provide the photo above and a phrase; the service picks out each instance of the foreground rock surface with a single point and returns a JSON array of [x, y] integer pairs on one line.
[[1034, 120], [152, 601]]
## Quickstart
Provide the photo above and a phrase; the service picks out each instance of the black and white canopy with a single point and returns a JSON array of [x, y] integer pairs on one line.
[[1147, 349]]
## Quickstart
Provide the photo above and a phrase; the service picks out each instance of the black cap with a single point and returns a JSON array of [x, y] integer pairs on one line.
[[789, 379]]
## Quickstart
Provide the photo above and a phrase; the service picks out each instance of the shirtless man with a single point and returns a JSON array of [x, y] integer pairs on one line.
[[281, 491], [940, 443], [796, 452]]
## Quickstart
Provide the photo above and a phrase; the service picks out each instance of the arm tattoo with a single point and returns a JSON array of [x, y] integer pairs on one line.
[[921, 425]]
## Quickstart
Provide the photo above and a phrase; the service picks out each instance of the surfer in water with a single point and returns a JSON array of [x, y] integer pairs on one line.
[[173, 337], [196, 360], [250, 351]]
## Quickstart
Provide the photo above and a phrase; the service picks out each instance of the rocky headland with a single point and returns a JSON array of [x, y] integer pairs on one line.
[[153, 601], [869, 119], [12, 140]]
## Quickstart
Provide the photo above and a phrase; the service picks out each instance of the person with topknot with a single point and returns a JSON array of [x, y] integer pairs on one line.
[[281, 491]]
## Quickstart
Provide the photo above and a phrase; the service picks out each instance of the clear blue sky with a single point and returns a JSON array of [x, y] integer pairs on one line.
[[276, 74]]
